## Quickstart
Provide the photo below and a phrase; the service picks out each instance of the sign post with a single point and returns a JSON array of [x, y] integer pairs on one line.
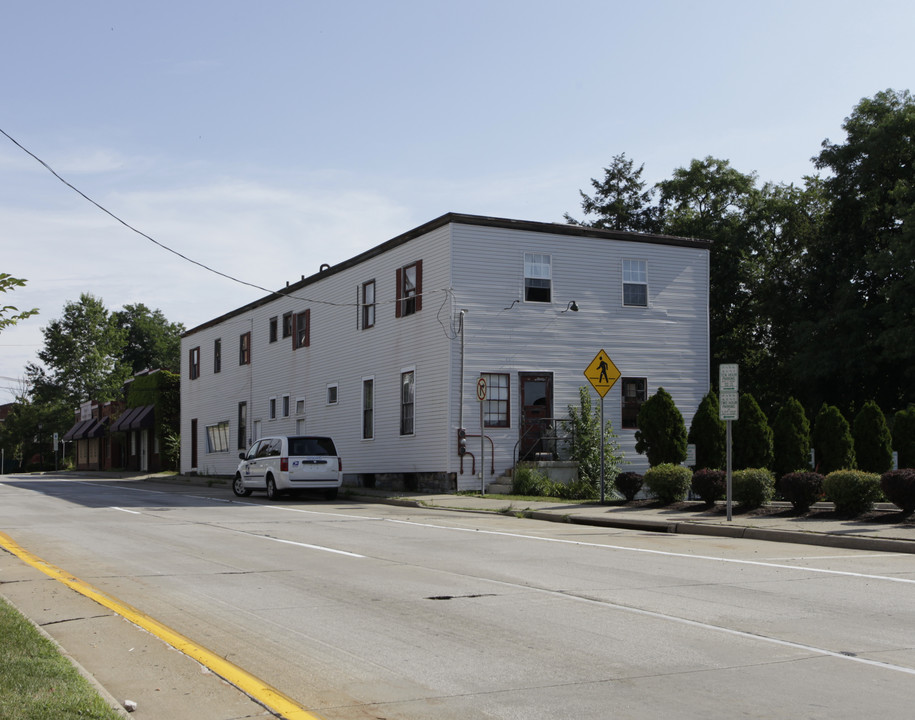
[[602, 374], [728, 410], [481, 396]]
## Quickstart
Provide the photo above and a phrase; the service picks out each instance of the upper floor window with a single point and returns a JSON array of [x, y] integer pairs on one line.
[[301, 323], [407, 402], [332, 394], [194, 363], [367, 304], [244, 349], [635, 283], [217, 355], [273, 327], [633, 391], [409, 289], [538, 278], [496, 407]]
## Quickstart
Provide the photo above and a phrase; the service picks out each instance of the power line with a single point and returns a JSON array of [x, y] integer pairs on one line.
[[165, 247]]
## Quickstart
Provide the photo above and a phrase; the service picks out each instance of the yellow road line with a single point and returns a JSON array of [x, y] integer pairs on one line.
[[260, 691]]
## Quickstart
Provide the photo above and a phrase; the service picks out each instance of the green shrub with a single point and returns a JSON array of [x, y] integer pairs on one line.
[[662, 433], [801, 489], [585, 446], [852, 491], [628, 485], [904, 436], [899, 488], [791, 439], [873, 442], [576, 490], [527, 480], [752, 488], [710, 485], [752, 436], [832, 441], [668, 482], [707, 433]]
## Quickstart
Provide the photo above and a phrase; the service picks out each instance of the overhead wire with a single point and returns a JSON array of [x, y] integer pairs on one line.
[[165, 247]]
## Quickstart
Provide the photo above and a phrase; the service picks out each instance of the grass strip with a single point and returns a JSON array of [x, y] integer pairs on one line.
[[37, 682]]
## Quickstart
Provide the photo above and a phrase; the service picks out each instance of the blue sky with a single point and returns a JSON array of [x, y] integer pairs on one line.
[[266, 138]]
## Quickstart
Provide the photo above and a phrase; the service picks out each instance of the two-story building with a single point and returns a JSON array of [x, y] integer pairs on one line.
[[383, 351]]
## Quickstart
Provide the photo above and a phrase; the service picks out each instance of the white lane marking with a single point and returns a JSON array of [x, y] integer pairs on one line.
[[664, 553], [707, 626], [304, 545], [132, 512], [520, 536]]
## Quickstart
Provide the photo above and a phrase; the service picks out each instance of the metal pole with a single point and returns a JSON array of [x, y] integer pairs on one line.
[[600, 444], [728, 424], [482, 451]]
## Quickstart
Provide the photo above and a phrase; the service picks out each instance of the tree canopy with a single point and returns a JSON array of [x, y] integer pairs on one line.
[[10, 314], [810, 286]]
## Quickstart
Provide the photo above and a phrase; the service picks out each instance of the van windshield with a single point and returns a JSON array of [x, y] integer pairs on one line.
[[299, 446]]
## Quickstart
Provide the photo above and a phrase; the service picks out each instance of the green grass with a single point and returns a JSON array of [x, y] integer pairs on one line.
[[37, 682]]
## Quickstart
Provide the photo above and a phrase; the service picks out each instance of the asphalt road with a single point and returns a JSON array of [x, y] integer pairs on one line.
[[357, 610]]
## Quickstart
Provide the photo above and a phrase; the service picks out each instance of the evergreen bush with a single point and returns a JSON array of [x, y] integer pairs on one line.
[[662, 433], [904, 436], [791, 439], [852, 491], [628, 485], [873, 442], [833, 445], [707, 433], [710, 485], [752, 436], [899, 488], [801, 489], [669, 483], [752, 487]]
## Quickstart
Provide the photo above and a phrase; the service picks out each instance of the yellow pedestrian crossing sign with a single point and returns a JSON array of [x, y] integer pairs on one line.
[[602, 373]]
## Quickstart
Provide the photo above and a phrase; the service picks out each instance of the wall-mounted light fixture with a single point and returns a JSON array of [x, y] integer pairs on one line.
[[514, 302], [573, 306]]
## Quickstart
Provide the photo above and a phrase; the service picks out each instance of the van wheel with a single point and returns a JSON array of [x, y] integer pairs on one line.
[[330, 494], [272, 492], [238, 487]]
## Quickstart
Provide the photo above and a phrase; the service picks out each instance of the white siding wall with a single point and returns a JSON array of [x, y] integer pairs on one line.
[[339, 353], [667, 343], [480, 269]]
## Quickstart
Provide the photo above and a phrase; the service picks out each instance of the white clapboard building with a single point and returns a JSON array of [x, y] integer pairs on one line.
[[383, 352]]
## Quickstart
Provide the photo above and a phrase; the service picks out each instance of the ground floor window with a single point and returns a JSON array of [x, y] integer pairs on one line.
[[407, 401], [242, 439], [368, 408], [496, 405], [218, 437], [633, 391]]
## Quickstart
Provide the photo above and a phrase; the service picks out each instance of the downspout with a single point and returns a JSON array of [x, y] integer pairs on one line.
[[461, 394]]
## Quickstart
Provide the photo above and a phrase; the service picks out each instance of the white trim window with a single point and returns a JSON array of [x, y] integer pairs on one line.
[[635, 283], [538, 278], [285, 406], [218, 437], [368, 408], [332, 393], [496, 405], [407, 401], [300, 406], [271, 415]]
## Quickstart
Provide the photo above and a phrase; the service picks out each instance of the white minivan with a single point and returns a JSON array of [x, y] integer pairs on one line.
[[289, 463]]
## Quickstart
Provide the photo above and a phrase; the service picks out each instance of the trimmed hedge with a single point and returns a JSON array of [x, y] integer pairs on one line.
[[668, 482], [853, 492], [710, 485], [753, 487], [899, 488], [801, 489], [628, 485]]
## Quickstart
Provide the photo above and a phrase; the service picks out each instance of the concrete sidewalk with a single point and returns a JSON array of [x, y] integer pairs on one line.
[[883, 529]]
